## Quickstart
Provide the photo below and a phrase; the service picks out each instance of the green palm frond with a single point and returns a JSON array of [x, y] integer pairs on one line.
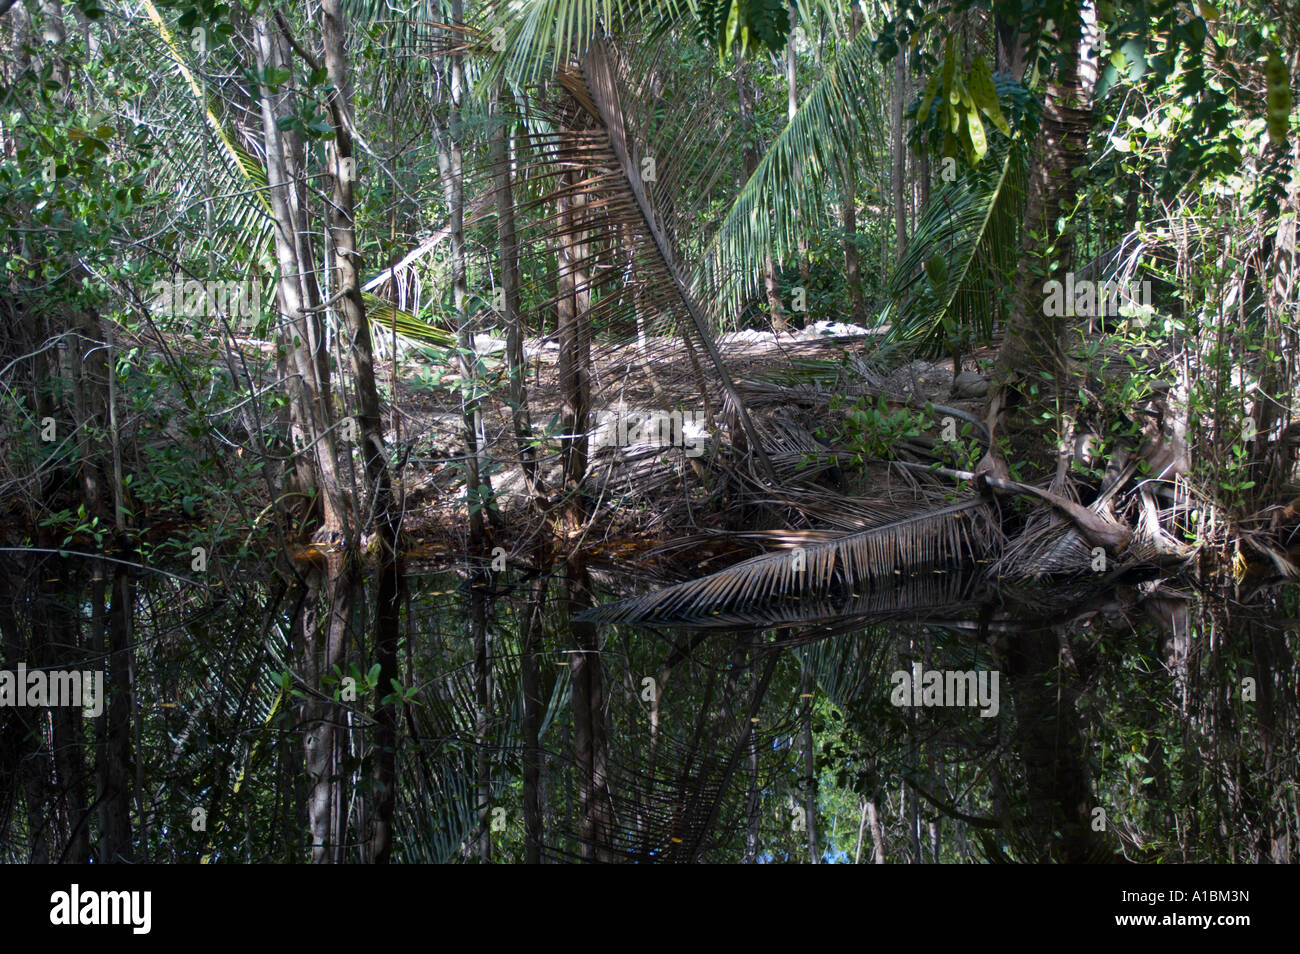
[[245, 213], [952, 280], [250, 168], [540, 36], [834, 571], [383, 312], [835, 123]]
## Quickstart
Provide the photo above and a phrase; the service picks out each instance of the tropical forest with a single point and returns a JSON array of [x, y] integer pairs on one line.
[[649, 431]]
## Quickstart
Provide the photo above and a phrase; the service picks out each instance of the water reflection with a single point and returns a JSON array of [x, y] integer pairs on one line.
[[1136, 722], [942, 719]]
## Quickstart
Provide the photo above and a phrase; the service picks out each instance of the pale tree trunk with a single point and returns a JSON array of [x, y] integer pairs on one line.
[[749, 163], [877, 832], [324, 645], [319, 641], [299, 296], [898, 152], [379, 515], [848, 176]]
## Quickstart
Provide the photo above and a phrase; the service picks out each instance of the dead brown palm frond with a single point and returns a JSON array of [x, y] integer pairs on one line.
[[832, 570], [938, 597], [596, 90], [618, 265]]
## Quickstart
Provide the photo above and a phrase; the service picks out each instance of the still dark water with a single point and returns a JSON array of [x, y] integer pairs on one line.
[[942, 720]]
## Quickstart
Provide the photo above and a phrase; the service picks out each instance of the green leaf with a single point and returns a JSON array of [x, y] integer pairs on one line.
[[975, 130], [985, 94], [1278, 99]]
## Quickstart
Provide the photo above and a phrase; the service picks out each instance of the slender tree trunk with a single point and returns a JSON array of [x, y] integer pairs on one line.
[[299, 297], [512, 315], [318, 642], [749, 163], [899, 153], [379, 514]]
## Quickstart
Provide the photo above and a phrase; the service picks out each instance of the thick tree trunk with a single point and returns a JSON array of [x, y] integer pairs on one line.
[[1036, 342], [299, 297], [1049, 735], [328, 576], [322, 644]]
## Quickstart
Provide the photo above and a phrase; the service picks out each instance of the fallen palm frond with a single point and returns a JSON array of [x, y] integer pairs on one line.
[[835, 569]]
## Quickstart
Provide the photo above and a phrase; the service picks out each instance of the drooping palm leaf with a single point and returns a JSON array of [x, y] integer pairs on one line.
[[247, 207], [953, 277], [787, 192], [599, 94]]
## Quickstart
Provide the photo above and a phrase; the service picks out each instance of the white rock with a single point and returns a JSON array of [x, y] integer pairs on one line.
[[822, 329], [486, 344], [749, 336]]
